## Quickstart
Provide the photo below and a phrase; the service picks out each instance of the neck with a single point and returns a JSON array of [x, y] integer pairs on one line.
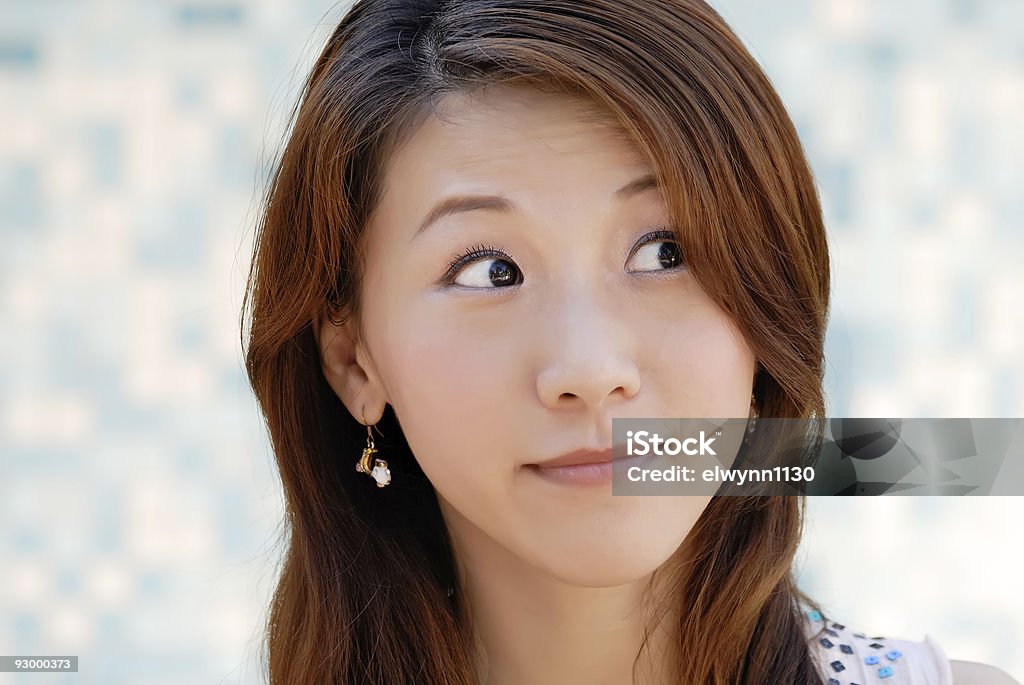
[[533, 628]]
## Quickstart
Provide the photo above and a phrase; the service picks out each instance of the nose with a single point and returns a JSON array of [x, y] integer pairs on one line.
[[590, 359]]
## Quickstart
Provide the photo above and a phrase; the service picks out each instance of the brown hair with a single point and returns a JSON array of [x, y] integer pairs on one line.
[[361, 596]]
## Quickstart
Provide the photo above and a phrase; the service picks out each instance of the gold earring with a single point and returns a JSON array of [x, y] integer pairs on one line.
[[380, 471]]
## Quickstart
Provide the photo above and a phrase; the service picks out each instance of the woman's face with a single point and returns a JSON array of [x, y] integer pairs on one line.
[[566, 319]]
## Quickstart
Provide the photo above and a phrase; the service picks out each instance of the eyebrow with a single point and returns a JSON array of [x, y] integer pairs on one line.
[[496, 203]]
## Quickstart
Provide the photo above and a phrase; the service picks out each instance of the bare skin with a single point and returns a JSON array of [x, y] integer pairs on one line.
[[486, 378]]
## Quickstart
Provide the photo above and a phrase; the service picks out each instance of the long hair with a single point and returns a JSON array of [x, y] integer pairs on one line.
[[361, 596]]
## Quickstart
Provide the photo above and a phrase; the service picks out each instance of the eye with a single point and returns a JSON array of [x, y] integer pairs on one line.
[[488, 267], [659, 251]]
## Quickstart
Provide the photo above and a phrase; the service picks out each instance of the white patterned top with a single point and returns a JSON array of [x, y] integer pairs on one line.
[[849, 657]]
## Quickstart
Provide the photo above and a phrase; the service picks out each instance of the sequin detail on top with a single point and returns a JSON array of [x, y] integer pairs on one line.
[[848, 657]]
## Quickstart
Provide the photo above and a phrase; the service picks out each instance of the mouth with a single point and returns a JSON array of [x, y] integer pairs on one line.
[[576, 458], [582, 467]]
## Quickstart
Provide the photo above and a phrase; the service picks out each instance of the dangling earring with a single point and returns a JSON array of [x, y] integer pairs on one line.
[[752, 421], [380, 471]]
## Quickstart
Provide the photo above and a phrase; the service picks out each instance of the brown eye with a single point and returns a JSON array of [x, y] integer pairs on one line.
[[661, 252]]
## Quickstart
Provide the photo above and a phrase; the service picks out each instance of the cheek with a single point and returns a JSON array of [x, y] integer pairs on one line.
[[446, 392], [452, 375], [709, 364]]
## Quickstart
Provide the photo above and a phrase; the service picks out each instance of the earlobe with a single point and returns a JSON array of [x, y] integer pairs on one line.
[[348, 370]]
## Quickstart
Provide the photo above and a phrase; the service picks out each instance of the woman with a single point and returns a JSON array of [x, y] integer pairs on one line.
[[496, 225]]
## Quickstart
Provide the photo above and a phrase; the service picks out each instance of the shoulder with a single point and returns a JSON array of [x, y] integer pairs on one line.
[[846, 655], [974, 673]]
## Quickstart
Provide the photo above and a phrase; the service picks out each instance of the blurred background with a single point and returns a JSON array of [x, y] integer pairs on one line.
[[139, 506]]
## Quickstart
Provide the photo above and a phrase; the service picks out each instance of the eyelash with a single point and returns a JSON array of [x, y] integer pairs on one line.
[[471, 255], [479, 251]]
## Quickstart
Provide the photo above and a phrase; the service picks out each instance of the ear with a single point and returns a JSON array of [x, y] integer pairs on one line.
[[348, 368]]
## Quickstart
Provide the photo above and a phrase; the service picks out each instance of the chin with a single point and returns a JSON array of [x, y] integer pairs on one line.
[[612, 547], [608, 562]]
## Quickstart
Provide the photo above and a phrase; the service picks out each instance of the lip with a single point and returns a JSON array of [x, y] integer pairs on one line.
[[577, 458], [582, 467]]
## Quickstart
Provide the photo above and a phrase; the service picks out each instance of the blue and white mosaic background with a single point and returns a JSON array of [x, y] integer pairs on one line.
[[138, 502]]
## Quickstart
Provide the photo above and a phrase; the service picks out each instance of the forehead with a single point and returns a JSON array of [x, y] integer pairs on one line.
[[510, 138]]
